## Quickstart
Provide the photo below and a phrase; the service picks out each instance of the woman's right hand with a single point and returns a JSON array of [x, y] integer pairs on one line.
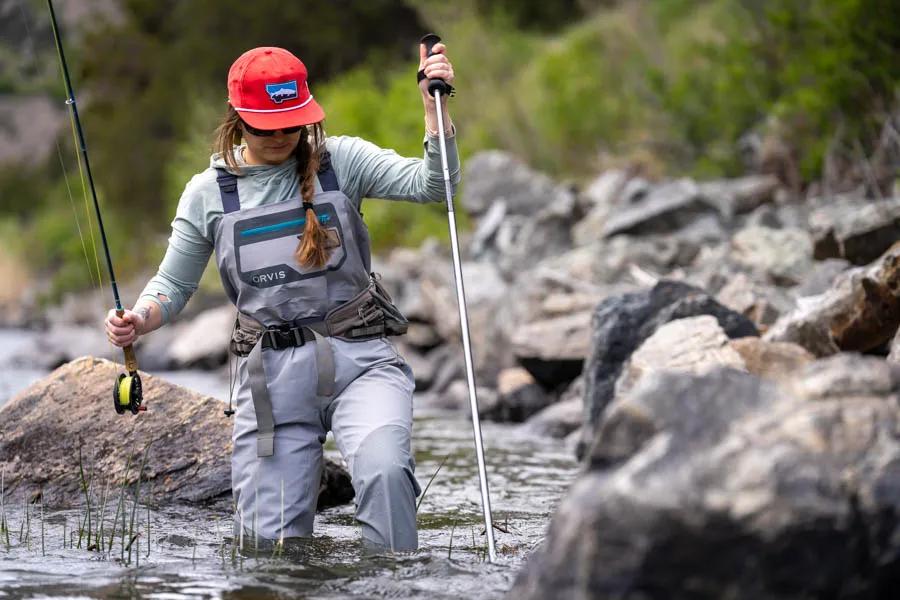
[[125, 330]]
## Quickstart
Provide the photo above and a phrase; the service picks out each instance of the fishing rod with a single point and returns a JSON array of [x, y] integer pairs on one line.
[[437, 88], [127, 391]]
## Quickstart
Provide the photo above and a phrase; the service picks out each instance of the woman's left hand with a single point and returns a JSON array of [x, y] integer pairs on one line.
[[437, 66]]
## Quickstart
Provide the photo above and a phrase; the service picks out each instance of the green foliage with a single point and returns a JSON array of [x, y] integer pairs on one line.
[[571, 87]]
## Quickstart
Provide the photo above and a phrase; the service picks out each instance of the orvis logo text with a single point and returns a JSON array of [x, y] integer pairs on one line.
[[269, 277]]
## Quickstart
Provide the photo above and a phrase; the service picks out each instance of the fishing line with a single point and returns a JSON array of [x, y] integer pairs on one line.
[[87, 260], [127, 391]]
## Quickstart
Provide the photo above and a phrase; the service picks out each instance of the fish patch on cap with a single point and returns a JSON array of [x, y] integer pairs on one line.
[[279, 92]]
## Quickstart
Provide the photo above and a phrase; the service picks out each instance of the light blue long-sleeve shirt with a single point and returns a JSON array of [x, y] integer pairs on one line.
[[363, 170]]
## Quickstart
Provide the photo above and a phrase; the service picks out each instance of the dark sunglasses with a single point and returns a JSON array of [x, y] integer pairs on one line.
[[269, 132]]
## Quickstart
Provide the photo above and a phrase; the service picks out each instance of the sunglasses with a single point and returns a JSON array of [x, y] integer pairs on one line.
[[269, 132]]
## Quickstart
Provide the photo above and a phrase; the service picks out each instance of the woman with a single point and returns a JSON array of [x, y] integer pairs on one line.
[[280, 207]]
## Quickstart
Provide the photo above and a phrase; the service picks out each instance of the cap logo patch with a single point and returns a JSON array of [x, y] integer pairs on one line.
[[279, 92]]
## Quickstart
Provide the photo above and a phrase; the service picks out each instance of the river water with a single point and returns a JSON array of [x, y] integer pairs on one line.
[[191, 553]]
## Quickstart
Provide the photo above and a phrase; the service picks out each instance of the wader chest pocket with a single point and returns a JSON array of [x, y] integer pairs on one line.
[[265, 246]]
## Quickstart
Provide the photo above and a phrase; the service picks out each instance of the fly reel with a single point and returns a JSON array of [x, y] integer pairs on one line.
[[128, 393]]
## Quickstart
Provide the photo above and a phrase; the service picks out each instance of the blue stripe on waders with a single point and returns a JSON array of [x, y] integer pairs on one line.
[[284, 225]]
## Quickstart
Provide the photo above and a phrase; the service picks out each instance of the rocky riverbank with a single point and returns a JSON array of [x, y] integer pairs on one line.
[[722, 355]]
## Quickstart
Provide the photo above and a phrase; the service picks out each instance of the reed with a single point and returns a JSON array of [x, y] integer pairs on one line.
[[85, 488], [137, 496], [121, 505], [148, 531], [4, 526], [450, 546], [101, 534], [43, 550], [428, 485]]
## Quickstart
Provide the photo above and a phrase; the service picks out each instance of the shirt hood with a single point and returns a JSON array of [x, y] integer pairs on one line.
[[217, 161]]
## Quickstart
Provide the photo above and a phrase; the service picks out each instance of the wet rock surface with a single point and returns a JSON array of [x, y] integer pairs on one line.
[[727, 485], [65, 424]]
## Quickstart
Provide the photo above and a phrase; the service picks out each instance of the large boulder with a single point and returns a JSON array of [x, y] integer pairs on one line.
[[45, 428], [621, 323], [731, 486]]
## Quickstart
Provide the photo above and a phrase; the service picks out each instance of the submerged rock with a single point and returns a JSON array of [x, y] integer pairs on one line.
[[726, 485], [68, 413]]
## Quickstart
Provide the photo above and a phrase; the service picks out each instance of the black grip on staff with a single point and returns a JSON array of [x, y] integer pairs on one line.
[[436, 84]]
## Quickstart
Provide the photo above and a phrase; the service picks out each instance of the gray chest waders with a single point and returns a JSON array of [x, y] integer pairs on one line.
[[283, 305]]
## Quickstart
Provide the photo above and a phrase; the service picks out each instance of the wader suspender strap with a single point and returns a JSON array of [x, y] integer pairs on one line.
[[228, 183], [262, 403]]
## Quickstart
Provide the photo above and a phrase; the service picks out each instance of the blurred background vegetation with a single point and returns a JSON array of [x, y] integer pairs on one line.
[[669, 87]]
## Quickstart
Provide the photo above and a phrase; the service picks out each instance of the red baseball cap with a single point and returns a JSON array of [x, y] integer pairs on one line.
[[267, 87]]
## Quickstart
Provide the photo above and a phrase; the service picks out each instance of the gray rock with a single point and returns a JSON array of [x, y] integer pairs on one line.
[[861, 312], [422, 336], [822, 276], [761, 303], [546, 233], [494, 175], [43, 427], [518, 397], [743, 194], [64, 343], [621, 323], [698, 473], [557, 420], [692, 345], [423, 369], [203, 343], [553, 350], [771, 360], [858, 231], [665, 208], [449, 366], [784, 256], [600, 197], [561, 418], [488, 227], [894, 355], [456, 397]]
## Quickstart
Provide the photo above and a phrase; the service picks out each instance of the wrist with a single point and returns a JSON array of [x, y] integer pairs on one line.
[[144, 311]]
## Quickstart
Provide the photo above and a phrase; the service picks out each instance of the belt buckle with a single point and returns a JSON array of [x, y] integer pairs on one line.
[[297, 332], [272, 338]]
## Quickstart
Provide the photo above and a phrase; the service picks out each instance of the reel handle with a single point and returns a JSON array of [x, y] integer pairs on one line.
[[130, 359], [434, 84]]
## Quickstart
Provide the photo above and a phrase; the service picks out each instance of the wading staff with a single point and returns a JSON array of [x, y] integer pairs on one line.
[[438, 88], [127, 391]]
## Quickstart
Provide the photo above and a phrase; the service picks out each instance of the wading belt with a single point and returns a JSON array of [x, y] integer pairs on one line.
[[278, 339], [368, 315]]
